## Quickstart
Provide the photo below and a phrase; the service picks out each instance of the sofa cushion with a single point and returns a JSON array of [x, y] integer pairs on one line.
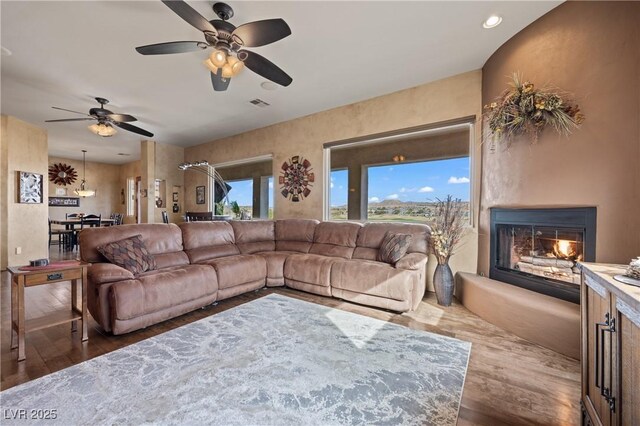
[[309, 268], [373, 278], [130, 254], [335, 239], [275, 262], [161, 289], [393, 247], [100, 273], [254, 235], [239, 269], [208, 240], [159, 239], [295, 234], [371, 234]]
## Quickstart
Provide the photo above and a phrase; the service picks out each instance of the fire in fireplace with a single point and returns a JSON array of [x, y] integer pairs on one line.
[[539, 248]]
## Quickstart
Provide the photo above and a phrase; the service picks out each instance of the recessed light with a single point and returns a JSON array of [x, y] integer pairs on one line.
[[492, 21], [268, 85]]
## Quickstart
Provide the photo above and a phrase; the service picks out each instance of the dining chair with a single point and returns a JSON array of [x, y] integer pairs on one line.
[[64, 236], [165, 217]]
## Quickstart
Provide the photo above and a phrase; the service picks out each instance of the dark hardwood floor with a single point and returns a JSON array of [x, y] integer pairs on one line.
[[509, 380]]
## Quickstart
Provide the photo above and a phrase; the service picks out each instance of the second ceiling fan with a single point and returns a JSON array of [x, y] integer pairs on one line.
[[228, 41]]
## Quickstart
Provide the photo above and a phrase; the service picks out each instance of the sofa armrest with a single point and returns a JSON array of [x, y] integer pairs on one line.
[[100, 273], [412, 261]]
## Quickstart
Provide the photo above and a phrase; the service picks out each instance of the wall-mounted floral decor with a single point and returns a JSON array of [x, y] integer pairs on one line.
[[524, 110], [62, 174], [296, 178]]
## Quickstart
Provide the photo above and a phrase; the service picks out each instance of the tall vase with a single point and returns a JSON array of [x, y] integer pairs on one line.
[[443, 283]]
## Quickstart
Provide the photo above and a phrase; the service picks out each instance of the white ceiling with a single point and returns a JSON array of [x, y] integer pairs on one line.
[[66, 53]]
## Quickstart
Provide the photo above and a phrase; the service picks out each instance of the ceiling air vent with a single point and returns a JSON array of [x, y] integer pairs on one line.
[[259, 103]]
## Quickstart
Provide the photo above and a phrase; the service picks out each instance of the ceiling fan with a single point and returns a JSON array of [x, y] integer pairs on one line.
[[228, 41], [105, 120]]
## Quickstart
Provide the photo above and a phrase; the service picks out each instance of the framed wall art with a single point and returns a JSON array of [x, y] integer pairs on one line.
[[200, 197], [64, 201], [29, 188], [296, 178]]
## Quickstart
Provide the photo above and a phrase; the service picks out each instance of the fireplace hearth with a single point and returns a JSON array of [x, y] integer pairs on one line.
[[538, 249]]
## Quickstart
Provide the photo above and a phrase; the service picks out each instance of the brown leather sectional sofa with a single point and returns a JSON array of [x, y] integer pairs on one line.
[[199, 263]]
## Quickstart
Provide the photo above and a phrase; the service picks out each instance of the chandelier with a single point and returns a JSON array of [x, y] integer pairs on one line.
[[83, 191]]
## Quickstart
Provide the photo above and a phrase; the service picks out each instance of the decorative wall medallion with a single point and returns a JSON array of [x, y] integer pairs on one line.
[[29, 188], [296, 178], [62, 174]]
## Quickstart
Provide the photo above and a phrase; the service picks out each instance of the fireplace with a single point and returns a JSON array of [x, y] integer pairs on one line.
[[538, 249]]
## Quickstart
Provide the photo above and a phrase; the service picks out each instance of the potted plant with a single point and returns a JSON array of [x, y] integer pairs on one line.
[[446, 232]]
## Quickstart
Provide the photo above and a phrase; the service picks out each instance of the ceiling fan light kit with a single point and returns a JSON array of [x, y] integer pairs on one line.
[[102, 129], [228, 57]]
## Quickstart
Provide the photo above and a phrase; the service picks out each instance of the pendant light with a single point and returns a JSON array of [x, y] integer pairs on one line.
[[83, 191]]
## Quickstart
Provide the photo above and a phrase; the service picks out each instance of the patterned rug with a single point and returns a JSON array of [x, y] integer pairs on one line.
[[275, 360]]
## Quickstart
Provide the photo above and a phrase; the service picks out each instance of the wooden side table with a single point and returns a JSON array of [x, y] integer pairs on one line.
[[20, 279]]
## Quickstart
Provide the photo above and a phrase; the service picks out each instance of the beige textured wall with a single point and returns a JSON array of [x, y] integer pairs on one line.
[[104, 178], [24, 148], [450, 98], [167, 159], [591, 50]]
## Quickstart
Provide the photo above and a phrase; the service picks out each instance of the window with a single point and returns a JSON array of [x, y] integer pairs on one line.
[[339, 193], [242, 193], [396, 177], [270, 197], [407, 192]]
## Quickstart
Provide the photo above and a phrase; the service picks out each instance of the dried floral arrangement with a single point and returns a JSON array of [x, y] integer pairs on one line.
[[524, 110], [447, 228], [633, 270]]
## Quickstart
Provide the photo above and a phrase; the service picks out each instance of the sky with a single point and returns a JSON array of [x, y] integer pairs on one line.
[[423, 181], [242, 192]]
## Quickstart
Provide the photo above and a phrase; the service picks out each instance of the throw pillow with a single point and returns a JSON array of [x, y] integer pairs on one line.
[[393, 247], [130, 254]]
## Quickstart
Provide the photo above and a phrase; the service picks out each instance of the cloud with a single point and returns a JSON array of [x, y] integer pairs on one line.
[[392, 197], [271, 185], [454, 179], [403, 189], [332, 184], [374, 199], [426, 189]]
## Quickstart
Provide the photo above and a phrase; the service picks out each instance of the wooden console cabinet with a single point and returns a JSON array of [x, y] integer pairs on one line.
[[610, 354]]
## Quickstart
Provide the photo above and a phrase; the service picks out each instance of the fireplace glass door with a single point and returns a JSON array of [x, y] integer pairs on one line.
[[548, 252]]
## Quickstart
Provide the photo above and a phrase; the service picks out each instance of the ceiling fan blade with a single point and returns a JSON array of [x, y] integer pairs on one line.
[[260, 33], [122, 117], [69, 119], [69, 110], [171, 47], [134, 129], [219, 84], [267, 69], [190, 15]]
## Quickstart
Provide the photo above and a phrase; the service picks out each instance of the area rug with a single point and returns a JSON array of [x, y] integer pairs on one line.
[[275, 360]]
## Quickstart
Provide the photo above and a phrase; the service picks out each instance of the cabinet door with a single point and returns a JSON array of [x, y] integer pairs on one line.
[[627, 365], [596, 350]]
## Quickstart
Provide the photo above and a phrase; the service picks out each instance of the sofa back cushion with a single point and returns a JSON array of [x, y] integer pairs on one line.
[[208, 240], [336, 239], [163, 241], [254, 235], [371, 235], [295, 234]]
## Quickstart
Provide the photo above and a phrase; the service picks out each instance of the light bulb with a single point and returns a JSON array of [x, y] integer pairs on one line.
[[227, 71], [210, 66], [236, 65], [218, 58]]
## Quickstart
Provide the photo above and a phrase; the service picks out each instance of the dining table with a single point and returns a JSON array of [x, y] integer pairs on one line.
[[71, 223]]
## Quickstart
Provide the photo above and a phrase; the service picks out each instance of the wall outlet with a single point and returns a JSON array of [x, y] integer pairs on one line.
[[18, 250]]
